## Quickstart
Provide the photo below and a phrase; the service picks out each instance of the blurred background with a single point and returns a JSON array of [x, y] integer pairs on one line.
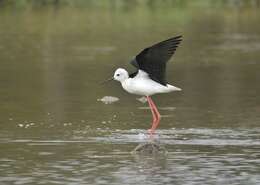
[[55, 53]]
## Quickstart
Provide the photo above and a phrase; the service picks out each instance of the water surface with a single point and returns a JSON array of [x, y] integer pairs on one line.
[[53, 129]]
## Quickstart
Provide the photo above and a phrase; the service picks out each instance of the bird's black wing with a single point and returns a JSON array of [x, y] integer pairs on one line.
[[153, 59]]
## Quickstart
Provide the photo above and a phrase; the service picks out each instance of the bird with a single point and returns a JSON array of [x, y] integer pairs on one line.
[[150, 75]]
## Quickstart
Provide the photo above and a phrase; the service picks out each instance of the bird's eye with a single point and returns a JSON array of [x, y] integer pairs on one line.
[[117, 74]]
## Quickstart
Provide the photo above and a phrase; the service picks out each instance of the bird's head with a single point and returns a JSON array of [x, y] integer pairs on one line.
[[120, 75]]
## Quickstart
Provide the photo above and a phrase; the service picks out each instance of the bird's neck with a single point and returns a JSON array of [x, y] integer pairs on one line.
[[125, 84], [124, 80]]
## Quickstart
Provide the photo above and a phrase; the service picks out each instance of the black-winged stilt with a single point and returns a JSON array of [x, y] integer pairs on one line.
[[149, 79]]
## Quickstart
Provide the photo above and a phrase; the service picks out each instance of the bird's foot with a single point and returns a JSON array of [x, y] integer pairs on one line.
[[151, 131]]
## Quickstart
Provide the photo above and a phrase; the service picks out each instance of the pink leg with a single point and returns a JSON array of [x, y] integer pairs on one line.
[[156, 115], [152, 110]]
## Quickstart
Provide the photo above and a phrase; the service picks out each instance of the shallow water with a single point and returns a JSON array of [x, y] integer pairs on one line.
[[55, 130], [101, 156]]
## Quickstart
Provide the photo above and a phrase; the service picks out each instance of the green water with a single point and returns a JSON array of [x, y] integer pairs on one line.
[[53, 58]]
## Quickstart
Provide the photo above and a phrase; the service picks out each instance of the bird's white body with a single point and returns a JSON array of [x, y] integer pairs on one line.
[[142, 84]]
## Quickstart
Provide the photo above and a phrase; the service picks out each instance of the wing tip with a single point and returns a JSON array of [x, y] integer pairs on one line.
[[177, 38], [174, 40]]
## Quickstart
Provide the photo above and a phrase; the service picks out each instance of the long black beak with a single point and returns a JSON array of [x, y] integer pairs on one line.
[[108, 80]]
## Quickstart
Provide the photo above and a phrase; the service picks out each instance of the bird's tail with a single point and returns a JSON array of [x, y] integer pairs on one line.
[[173, 88]]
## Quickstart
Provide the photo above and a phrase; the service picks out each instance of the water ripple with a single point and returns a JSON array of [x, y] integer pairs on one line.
[[182, 136]]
